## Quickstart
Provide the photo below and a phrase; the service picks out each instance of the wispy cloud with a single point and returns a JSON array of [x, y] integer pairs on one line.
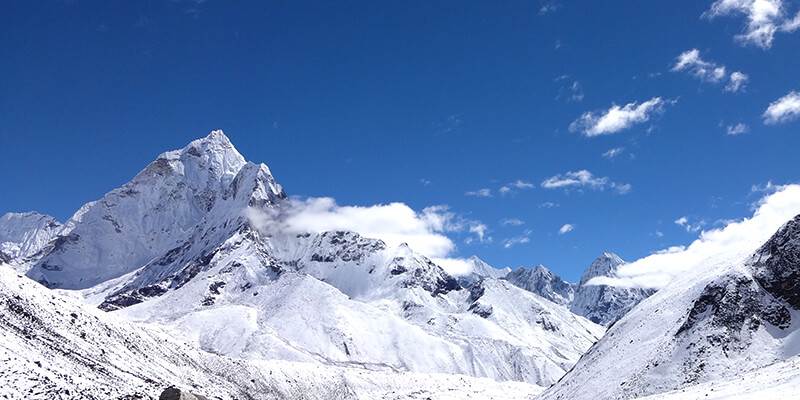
[[518, 184], [451, 124], [737, 238], [583, 179], [613, 152], [566, 228], [524, 238], [424, 182], [684, 222], [512, 221], [708, 71], [618, 118], [480, 193], [549, 7], [737, 129], [785, 109], [548, 204], [765, 18]]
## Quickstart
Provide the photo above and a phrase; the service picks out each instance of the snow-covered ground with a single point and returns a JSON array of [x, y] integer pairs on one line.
[[56, 347]]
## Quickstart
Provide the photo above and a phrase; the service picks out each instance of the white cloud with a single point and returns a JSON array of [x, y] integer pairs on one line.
[[479, 230], [424, 182], [709, 71], [394, 223], [618, 118], [736, 239], [624, 188], [548, 204], [613, 152], [548, 8], [581, 179], [577, 178], [522, 185], [512, 221], [480, 193], [518, 240], [691, 62], [785, 109], [659, 234], [768, 187], [684, 222], [504, 190], [515, 240], [764, 19], [566, 228], [737, 81], [737, 129]]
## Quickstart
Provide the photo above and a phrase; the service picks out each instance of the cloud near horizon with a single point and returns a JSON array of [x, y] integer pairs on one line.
[[736, 238], [394, 223]]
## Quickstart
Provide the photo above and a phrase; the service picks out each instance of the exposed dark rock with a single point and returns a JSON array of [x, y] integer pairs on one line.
[[776, 265], [173, 393]]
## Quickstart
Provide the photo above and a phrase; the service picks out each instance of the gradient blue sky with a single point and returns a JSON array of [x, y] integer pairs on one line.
[[419, 102]]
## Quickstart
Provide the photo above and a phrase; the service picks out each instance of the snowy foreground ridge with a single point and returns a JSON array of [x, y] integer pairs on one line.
[[188, 276]]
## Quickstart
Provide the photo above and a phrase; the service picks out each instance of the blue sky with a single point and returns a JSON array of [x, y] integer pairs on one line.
[[425, 103]]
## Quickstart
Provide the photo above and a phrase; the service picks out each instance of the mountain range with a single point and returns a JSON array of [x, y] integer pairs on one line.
[[188, 275]]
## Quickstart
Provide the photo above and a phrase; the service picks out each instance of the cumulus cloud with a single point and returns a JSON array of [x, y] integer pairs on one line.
[[708, 71], [616, 118], [737, 129], [785, 109], [480, 193], [691, 62], [765, 18], [583, 179], [737, 82], [565, 229], [395, 223], [613, 152], [737, 238]]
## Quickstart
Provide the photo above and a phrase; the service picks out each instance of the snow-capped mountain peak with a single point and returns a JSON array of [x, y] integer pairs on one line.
[[605, 265], [601, 303], [543, 282], [25, 234]]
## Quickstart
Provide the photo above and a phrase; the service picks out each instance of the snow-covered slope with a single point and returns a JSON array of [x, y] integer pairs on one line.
[[479, 270], [59, 348], [777, 381], [543, 282], [729, 315], [601, 303], [339, 298], [153, 213], [24, 234], [197, 242]]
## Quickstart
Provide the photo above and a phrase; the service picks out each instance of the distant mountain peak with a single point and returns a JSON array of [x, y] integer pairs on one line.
[[543, 282], [605, 265]]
